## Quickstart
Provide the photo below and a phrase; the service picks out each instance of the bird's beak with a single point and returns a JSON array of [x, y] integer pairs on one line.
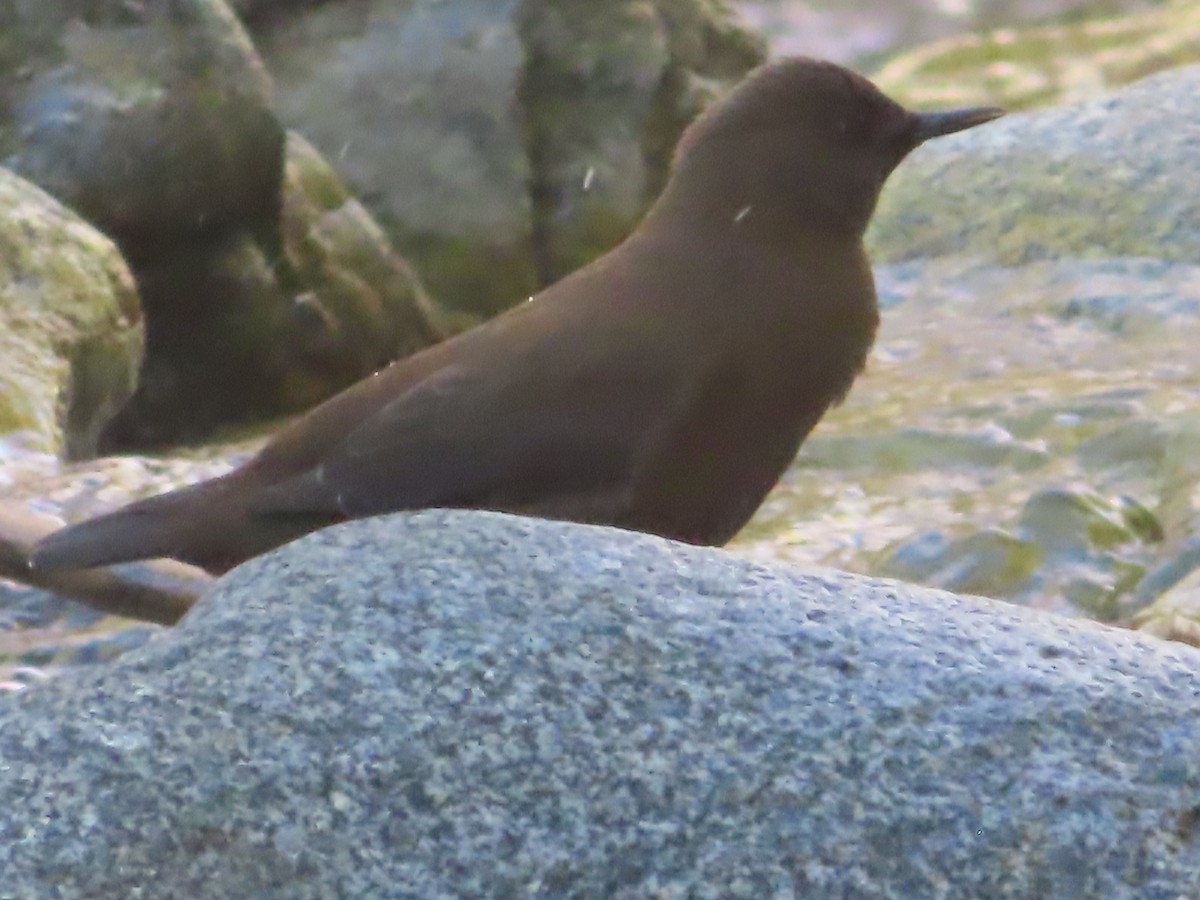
[[936, 124]]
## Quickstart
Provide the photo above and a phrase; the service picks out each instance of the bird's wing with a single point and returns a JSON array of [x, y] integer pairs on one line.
[[507, 440]]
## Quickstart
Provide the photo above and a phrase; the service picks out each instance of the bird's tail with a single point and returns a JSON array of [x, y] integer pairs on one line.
[[154, 527]]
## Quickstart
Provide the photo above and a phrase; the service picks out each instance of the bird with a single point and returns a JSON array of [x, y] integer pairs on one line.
[[663, 388]]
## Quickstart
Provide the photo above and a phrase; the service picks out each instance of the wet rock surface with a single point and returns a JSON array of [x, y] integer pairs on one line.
[[1040, 308], [1023, 433]]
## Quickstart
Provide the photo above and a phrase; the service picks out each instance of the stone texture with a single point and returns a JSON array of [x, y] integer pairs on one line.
[[152, 120], [859, 32], [992, 385], [273, 317], [1175, 615], [1060, 246], [468, 127], [265, 286], [606, 90], [1069, 549], [1093, 180], [70, 326], [472, 704], [1039, 64], [415, 102]]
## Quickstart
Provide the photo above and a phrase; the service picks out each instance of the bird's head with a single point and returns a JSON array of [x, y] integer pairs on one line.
[[804, 142]]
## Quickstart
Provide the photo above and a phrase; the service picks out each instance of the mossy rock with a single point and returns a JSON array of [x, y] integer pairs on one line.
[[70, 325], [502, 144], [272, 320], [1100, 179], [1019, 68], [1176, 614]]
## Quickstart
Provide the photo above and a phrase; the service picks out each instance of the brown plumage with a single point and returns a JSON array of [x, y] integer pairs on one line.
[[663, 388]]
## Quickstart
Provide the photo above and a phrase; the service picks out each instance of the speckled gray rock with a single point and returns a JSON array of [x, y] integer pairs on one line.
[[1107, 177], [468, 704]]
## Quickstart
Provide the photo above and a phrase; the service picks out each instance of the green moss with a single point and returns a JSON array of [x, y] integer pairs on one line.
[[27, 402], [1022, 204], [1024, 67], [472, 282], [593, 233], [990, 563]]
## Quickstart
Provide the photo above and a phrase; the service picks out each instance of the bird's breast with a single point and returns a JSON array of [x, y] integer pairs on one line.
[[775, 340]]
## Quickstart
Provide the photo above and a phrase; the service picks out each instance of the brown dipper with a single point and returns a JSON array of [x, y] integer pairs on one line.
[[663, 388]]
